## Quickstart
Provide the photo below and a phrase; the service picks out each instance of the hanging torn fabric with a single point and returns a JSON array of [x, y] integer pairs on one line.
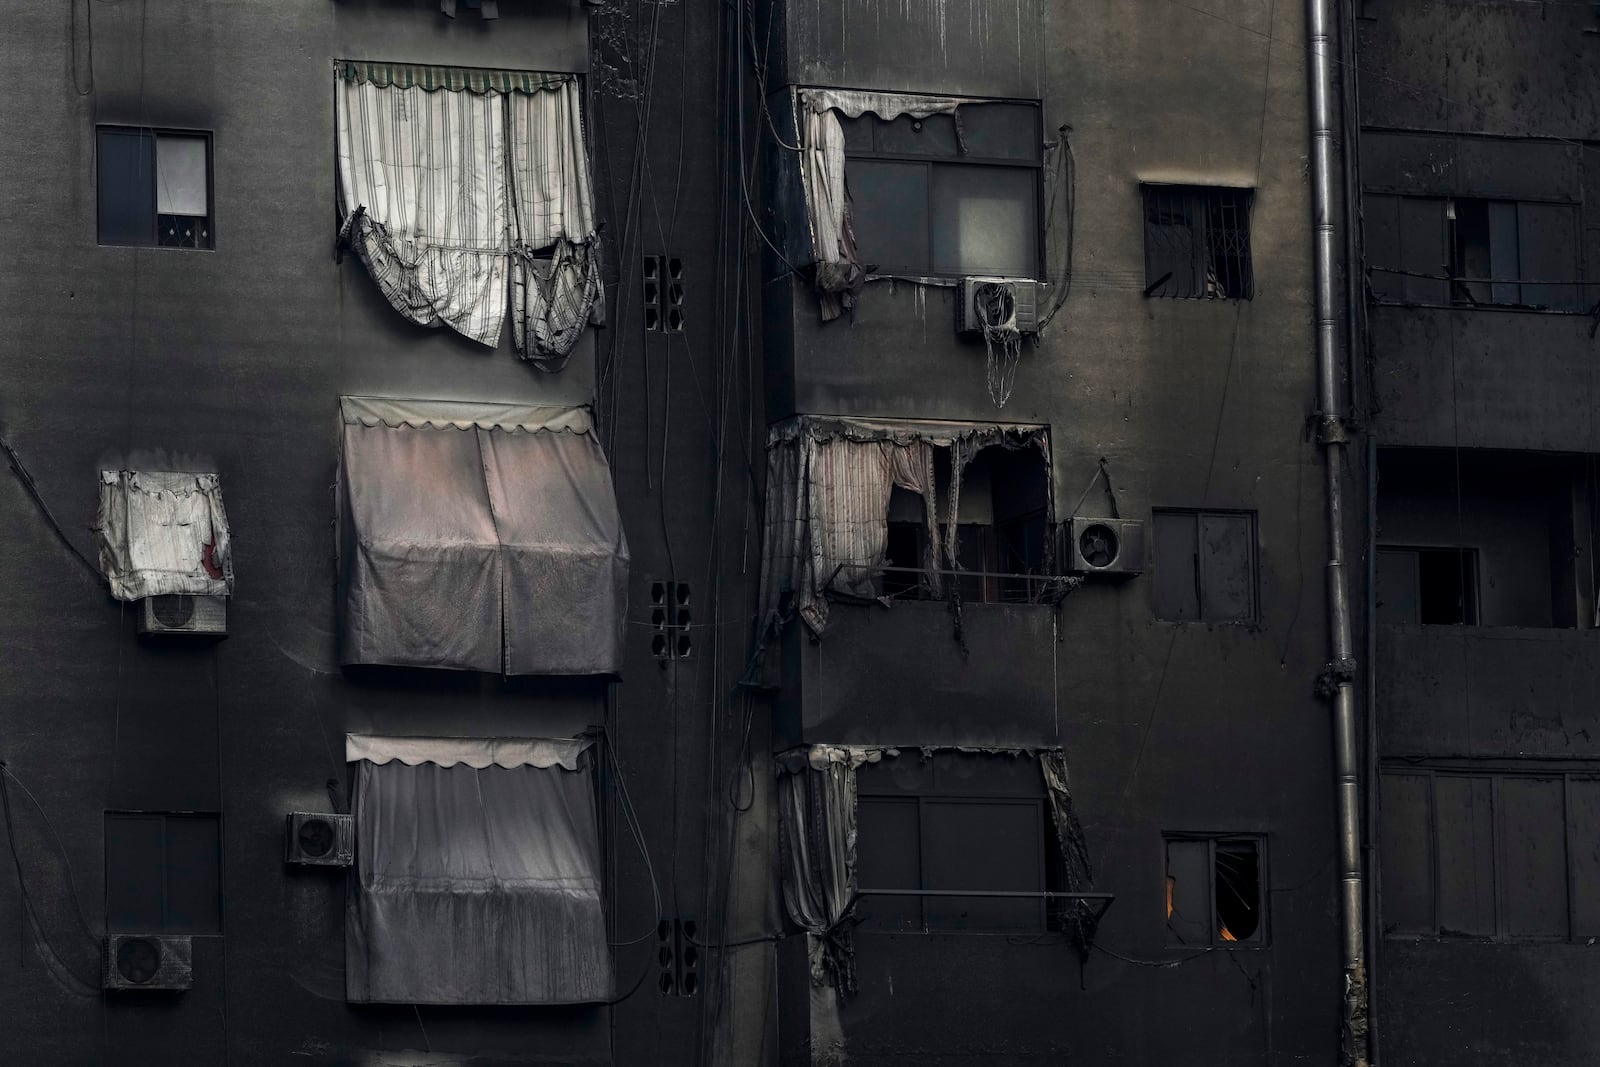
[[477, 875], [555, 273], [839, 273], [829, 482], [458, 185], [817, 846], [163, 532]]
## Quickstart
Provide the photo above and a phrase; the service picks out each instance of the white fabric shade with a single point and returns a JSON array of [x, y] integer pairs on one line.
[[181, 175], [479, 752], [163, 532]]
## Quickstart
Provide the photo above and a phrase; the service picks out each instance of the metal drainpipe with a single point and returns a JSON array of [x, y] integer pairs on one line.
[[1331, 435]]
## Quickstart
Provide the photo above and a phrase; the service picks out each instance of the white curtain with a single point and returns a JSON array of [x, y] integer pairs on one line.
[[163, 532], [476, 886], [422, 185], [817, 846]]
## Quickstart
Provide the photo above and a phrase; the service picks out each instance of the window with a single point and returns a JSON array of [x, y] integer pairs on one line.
[[1432, 586], [1472, 252], [1001, 531], [163, 872], [929, 197], [953, 822], [1205, 565], [154, 187], [1197, 242], [1498, 856], [1213, 890]]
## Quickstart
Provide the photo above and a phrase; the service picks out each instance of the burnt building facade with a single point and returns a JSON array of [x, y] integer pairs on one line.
[[1475, 170], [768, 533]]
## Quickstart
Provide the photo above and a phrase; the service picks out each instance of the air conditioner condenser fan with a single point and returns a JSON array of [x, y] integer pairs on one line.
[[1098, 546]]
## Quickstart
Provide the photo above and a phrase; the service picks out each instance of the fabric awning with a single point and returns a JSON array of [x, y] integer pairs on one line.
[[456, 79], [480, 547], [163, 532], [476, 886], [479, 752]]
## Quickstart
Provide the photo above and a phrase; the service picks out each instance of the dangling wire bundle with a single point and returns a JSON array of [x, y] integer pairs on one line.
[[996, 308]]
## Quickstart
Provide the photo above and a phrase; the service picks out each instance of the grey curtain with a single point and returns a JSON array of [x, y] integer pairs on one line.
[[480, 548], [817, 845], [476, 886]]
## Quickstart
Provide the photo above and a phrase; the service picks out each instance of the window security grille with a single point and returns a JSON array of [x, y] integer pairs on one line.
[[1197, 242]]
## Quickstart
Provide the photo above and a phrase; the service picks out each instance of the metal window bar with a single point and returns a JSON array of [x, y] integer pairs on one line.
[[1197, 242]]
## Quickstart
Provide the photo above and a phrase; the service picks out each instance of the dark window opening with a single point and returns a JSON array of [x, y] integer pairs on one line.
[[1003, 550], [929, 199], [1205, 565], [1197, 242], [956, 822], [1214, 890], [163, 873], [153, 187], [1431, 586]]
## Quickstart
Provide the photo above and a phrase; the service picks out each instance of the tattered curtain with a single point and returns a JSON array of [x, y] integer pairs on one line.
[[455, 183], [163, 532], [829, 482], [839, 273], [476, 882]]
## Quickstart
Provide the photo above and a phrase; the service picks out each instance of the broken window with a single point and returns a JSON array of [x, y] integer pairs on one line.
[[163, 872], [1214, 890], [1197, 242], [957, 821], [1489, 856], [1431, 586], [153, 187], [1205, 565], [942, 196], [1472, 252]]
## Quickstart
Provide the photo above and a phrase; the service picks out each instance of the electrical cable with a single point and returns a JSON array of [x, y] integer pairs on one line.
[[631, 817], [1152, 963], [32, 489]]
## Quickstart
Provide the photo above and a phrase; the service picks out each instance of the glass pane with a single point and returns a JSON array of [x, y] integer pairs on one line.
[[1238, 891], [125, 171], [1227, 567], [134, 878], [1533, 855], [1463, 810], [906, 136], [1001, 131], [181, 175], [985, 220], [1405, 802], [1188, 892], [970, 844], [1399, 597], [888, 857], [194, 888], [1177, 588], [1172, 227], [889, 213]]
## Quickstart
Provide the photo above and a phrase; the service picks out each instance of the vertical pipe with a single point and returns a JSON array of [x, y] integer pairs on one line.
[[1330, 434]]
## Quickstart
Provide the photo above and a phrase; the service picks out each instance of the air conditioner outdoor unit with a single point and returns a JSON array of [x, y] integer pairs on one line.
[[1105, 546], [147, 961], [318, 839], [180, 613], [999, 302]]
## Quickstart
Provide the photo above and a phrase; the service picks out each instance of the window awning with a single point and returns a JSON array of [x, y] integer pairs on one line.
[[479, 537], [475, 885], [163, 532], [479, 752]]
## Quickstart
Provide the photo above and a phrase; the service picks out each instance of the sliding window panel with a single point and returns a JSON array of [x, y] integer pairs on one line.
[[1548, 241], [1464, 836], [1531, 830], [889, 214], [1407, 841]]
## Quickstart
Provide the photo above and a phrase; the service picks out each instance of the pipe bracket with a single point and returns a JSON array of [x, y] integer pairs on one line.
[[1334, 674]]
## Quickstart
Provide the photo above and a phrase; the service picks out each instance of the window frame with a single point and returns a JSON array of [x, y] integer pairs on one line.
[[1454, 281], [1496, 772], [1040, 923], [1211, 197], [1253, 618], [154, 133], [1262, 938], [165, 815], [1034, 165], [1472, 591]]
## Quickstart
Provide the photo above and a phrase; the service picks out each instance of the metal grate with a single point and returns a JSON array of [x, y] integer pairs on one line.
[[1197, 242]]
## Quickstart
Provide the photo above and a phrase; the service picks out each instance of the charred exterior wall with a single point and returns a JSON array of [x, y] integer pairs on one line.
[[1463, 103]]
